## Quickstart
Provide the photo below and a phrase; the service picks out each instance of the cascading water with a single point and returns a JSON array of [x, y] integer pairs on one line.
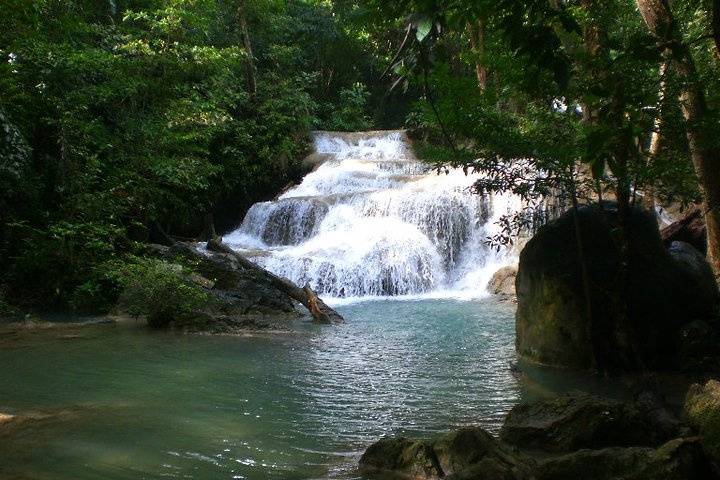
[[371, 220]]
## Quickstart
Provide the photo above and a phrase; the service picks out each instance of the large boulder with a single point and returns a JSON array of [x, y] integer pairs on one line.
[[702, 411], [636, 309], [574, 422]]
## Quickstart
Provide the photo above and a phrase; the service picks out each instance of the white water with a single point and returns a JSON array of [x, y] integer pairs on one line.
[[373, 221]]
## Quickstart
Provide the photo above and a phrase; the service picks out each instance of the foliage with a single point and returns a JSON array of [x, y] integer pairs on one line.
[[351, 113], [163, 292], [117, 118], [561, 111]]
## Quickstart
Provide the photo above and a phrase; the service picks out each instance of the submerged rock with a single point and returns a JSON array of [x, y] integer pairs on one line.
[[571, 423], [502, 282], [634, 318], [702, 410]]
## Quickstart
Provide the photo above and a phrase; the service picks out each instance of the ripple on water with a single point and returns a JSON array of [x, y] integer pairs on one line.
[[292, 406]]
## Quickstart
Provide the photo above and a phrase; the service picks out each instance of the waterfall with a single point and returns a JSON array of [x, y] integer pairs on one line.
[[371, 220]]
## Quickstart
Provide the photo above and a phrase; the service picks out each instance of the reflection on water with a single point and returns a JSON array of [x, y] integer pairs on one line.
[[119, 402]]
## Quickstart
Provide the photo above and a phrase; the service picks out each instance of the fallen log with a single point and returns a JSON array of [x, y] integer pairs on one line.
[[320, 311]]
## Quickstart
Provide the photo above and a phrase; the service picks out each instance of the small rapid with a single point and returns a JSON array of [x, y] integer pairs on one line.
[[372, 220]]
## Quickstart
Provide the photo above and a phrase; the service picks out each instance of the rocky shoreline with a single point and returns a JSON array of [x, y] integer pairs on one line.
[[569, 437]]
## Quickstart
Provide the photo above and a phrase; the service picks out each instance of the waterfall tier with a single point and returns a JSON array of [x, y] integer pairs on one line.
[[371, 220]]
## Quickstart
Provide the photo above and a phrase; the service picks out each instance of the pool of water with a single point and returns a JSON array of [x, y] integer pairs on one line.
[[123, 402]]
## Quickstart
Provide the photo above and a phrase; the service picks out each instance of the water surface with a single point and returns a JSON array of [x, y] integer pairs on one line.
[[127, 403]]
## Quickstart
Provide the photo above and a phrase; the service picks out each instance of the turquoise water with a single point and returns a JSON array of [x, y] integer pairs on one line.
[[123, 402]]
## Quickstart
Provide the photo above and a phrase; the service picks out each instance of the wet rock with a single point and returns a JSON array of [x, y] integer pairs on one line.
[[608, 463], [702, 411], [502, 282], [472, 452], [410, 458], [661, 292], [569, 423], [468, 453], [679, 459], [242, 299]]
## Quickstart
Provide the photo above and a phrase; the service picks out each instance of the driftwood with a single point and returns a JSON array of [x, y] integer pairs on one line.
[[321, 312]]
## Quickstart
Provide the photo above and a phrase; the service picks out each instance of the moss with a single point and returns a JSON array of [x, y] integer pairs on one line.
[[702, 410]]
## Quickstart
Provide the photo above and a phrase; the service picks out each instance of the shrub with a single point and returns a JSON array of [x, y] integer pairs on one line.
[[161, 291], [350, 114]]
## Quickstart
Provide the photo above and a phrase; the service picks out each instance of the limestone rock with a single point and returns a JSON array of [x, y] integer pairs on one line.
[[569, 423], [502, 282], [413, 459], [660, 292], [471, 452], [468, 453], [679, 459]]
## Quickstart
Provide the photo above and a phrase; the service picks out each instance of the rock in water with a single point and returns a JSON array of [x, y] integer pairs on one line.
[[414, 459], [702, 410], [471, 452], [638, 327], [502, 282], [468, 453], [570, 423]]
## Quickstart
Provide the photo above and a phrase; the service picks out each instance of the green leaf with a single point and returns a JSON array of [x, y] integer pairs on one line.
[[423, 28]]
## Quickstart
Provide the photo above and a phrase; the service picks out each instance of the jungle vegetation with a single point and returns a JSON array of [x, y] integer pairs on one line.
[[126, 119]]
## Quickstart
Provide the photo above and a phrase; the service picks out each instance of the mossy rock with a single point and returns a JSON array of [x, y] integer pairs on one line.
[[679, 459], [702, 411], [573, 422], [467, 453], [472, 448], [402, 456], [636, 308]]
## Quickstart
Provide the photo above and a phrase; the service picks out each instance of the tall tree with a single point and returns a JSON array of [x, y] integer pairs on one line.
[[247, 45], [699, 128], [477, 43]]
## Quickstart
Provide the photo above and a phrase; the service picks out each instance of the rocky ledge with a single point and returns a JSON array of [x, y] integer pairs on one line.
[[243, 296], [571, 437]]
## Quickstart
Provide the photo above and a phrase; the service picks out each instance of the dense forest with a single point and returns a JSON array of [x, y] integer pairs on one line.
[[124, 121]]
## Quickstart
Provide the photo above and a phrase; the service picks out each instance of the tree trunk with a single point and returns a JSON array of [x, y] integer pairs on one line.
[[705, 158], [716, 26], [321, 312], [247, 45], [477, 43], [656, 136]]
